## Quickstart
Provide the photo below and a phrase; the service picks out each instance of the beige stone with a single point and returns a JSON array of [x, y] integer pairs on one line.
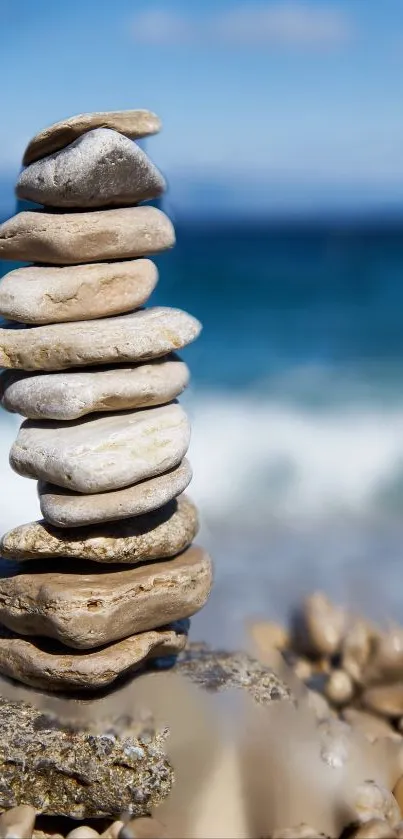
[[73, 394], [106, 453], [372, 726], [161, 533], [140, 336], [83, 609], [386, 660], [50, 666], [133, 124], [356, 649], [374, 829], [102, 168], [84, 831], [98, 236], [386, 700], [339, 688], [38, 295], [325, 624], [372, 801], [144, 828], [18, 823], [267, 635], [63, 508]]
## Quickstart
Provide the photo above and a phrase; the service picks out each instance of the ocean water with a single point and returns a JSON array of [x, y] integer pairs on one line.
[[296, 404]]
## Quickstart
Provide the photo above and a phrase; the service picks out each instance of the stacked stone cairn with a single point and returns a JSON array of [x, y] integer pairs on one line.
[[109, 578]]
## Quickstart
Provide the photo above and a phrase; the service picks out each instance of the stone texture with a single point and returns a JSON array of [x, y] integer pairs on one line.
[[84, 773], [105, 453], [18, 823], [386, 700], [38, 295], [85, 610], [161, 533], [71, 238], [63, 508], [140, 336], [101, 168], [133, 124], [48, 665], [71, 395]]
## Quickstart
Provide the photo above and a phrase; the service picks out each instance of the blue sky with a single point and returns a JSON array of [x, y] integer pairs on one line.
[[271, 103]]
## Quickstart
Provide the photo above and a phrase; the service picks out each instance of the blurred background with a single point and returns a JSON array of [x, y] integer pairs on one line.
[[283, 149]]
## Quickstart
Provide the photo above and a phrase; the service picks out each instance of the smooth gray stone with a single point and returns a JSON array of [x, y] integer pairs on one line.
[[101, 168], [105, 453], [140, 336], [64, 508], [73, 394]]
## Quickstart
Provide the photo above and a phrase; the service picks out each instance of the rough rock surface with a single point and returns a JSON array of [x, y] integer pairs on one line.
[[140, 336], [156, 535], [46, 664], [101, 168], [71, 238], [105, 453], [63, 508], [133, 124], [85, 610], [71, 395], [38, 295], [81, 774]]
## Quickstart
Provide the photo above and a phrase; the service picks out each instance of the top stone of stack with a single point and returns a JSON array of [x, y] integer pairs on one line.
[[133, 124]]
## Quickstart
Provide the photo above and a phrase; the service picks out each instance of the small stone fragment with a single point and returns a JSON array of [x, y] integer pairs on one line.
[[133, 124], [339, 688], [97, 236], [18, 823], [140, 336], [82, 832], [39, 294], [88, 609], [105, 453], [71, 395], [386, 700], [49, 666], [325, 624], [145, 828], [302, 669], [372, 801], [101, 168], [63, 508]]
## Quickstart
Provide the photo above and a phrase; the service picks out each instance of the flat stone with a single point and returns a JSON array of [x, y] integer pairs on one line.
[[83, 609], [101, 168], [133, 124], [105, 453], [63, 508], [71, 395], [140, 336], [48, 665], [71, 238], [161, 533], [386, 700], [83, 771], [79, 292]]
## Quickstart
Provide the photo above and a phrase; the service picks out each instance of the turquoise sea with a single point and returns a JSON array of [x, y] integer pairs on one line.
[[297, 409]]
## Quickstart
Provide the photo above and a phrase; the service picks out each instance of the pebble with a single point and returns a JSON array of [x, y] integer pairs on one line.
[[98, 236], [133, 124], [386, 700], [387, 658], [356, 650], [17, 823], [105, 453], [267, 636], [372, 801], [140, 336], [42, 664], [143, 828], [101, 168], [39, 295], [325, 624], [112, 832], [63, 508], [82, 832], [87, 609], [157, 535], [70, 395], [371, 726], [339, 688]]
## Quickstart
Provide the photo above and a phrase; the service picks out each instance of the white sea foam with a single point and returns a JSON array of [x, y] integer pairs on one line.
[[256, 460]]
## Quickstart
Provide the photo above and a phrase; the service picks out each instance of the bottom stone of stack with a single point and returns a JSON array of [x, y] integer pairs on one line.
[[50, 666]]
